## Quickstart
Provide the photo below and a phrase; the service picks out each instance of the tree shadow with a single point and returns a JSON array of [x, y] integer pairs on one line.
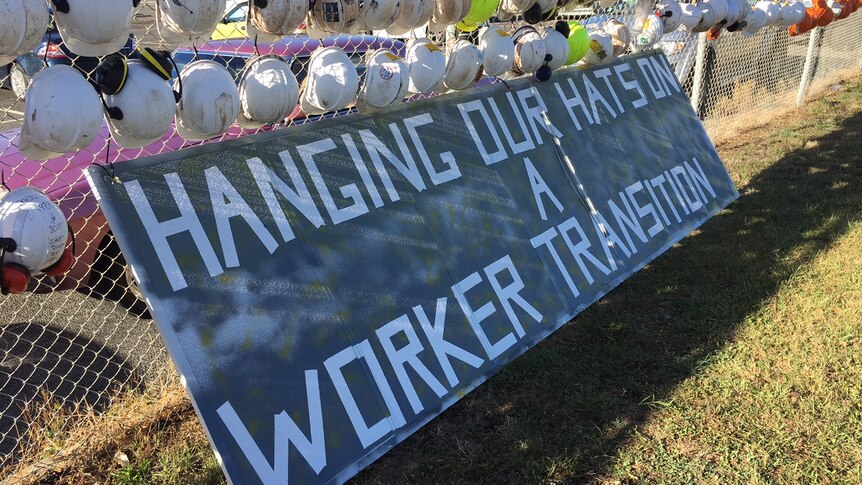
[[47, 375], [573, 401]]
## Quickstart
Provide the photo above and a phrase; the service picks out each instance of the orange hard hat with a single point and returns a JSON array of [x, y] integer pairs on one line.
[[802, 27]]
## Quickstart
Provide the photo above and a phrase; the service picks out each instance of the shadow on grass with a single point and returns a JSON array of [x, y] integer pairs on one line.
[[563, 410], [47, 375]]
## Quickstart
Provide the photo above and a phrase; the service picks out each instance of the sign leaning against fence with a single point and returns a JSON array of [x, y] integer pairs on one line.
[[328, 289]]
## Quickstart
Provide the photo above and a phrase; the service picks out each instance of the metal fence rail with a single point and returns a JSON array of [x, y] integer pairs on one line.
[[78, 351]]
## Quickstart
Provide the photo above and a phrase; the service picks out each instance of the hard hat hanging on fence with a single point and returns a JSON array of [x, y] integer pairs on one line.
[[93, 27], [712, 12], [210, 101], [448, 12], [556, 45], [670, 13], [331, 84], [23, 24], [184, 23], [539, 11], [268, 92], [480, 12], [791, 14], [386, 81], [141, 107], [691, 16], [463, 65], [620, 35], [498, 50], [34, 238], [332, 16], [413, 14], [56, 124], [579, 42], [377, 14], [427, 65], [754, 21], [530, 51], [270, 20], [516, 7], [601, 48], [652, 32]]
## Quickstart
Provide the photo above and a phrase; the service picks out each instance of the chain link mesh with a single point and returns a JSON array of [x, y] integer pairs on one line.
[[76, 347]]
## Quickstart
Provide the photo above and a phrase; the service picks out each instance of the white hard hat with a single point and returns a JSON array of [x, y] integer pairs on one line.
[[92, 27], [463, 66], [772, 11], [386, 81], [652, 32], [413, 14], [268, 92], [620, 35], [713, 12], [691, 16], [187, 22], [498, 50], [271, 20], [448, 12], [209, 103], [516, 7], [62, 113], [36, 224], [606, 3], [736, 11], [671, 14], [22, 26], [601, 49], [792, 13], [426, 63], [378, 14], [146, 107], [331, 84], [754, 21], [530, 50], [557, 46], [332, 16]]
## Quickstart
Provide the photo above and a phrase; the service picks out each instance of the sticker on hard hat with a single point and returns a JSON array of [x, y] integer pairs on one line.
[[391, 56], [502, 33], [432, 47], [596, 47], [386, 73], [331, 12]]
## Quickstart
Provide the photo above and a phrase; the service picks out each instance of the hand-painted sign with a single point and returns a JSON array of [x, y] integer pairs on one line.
[[328, 289]]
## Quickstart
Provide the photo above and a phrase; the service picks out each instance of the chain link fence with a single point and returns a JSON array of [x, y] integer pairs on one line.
[[77, 347]]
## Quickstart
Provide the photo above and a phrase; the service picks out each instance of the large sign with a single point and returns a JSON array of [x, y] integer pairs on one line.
[[326, 290]]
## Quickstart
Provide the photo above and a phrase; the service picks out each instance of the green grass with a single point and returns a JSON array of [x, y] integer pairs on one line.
[[735, 357]]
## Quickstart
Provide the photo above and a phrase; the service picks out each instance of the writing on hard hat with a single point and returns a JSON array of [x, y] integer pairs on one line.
[[34, 238]]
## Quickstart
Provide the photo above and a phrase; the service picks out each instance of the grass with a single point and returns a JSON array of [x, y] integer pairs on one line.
[[735, 357]]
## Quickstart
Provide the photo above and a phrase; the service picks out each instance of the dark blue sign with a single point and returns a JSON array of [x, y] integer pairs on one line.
[[328, 289]]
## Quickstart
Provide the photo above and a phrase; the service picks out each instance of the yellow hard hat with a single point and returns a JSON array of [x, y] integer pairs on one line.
[[579, 42]]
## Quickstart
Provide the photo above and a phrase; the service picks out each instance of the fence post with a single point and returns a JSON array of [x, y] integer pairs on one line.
[[697, 80], [810, 56]]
